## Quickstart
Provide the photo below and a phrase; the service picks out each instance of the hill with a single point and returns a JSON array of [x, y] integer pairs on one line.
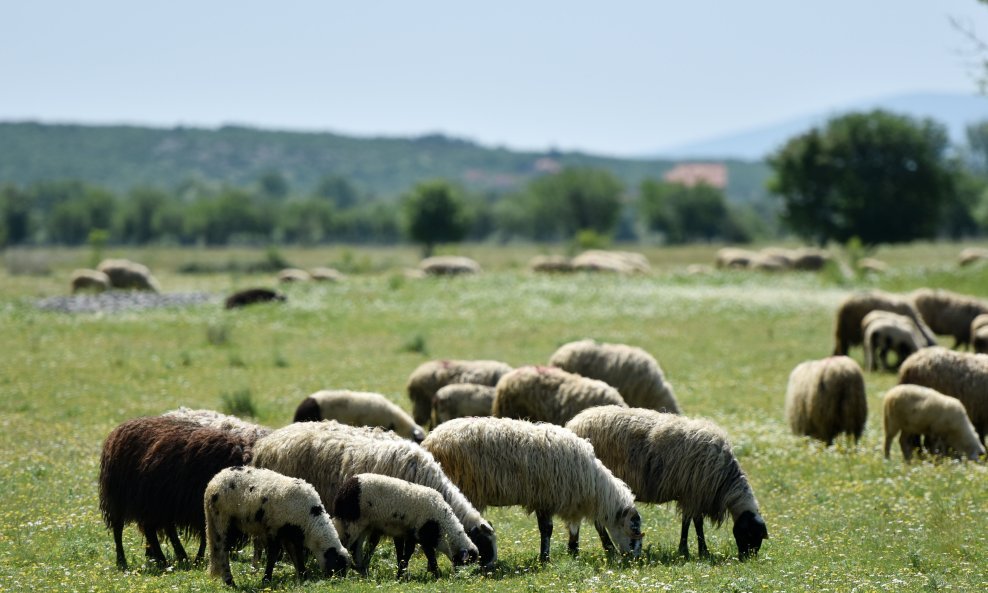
[[122, 157]]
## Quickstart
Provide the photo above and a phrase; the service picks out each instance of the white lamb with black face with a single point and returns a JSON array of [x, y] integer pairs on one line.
[[284, 512], [371, 505]]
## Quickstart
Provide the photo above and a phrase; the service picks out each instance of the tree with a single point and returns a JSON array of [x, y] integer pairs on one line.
[[688, 213], [435, 213], [573, 200], [877, 176], [338, 190], [15, 216]]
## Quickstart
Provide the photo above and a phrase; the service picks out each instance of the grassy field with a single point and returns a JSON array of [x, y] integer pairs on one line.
[[839, 519]]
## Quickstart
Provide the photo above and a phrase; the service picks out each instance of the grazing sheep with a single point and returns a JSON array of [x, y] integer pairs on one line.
[[810, 259], [622, 262], [321, 274], [949, 313], [249, 296], [154, 471], [916, 410], [448, 265], [631, 370], [327, 453], [289, 275], [124, 273], [545, 469], [979, 334], [665, 457], [89, 280], [549, 394], [458, 400], [358, 408], [971, 255], [870, 265], [733, 257], [241, 428], [886, 332], [550, 263], [430, 376], [957, 374], [827, 397], [283, 512], [847, 329], [372, 505]]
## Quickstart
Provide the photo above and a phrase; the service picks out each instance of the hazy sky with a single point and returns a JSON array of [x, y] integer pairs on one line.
[[617, 77]]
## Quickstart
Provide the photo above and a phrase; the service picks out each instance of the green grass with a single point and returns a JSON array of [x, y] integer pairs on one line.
[[839, 519]]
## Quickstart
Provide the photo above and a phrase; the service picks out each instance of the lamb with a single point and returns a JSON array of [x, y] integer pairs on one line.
[[426, 380], [544, 468], [549, 394], [848, 332], [124, 273], [827, 397], [358, 408], [631, 370], [915, 410], [250, 296], [885, 331], [458, 400], [949, 313], [154, 470], [91, 280], [979, 334], [957, 374], [281, 511], [371, 505], [665, 457], [327, 453]]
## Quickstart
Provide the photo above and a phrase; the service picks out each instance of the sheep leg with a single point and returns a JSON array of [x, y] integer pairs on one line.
[[118, 542], [273, 552], [296, 552], [574, 539], [684, 549], [176, 542], [545, 532], [201, 552], [605, 539], [369, 547], [906, 445], [152, 547], [404, 546], [701, 542]]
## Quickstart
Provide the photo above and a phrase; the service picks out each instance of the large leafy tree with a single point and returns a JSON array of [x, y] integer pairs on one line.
[[688, 213], [435, 213], [877, 176]]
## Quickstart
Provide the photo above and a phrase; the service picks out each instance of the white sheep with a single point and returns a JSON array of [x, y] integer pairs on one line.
[[91, 280], [327, 453], [847, 327], [290, 275], [324, 274], [358, 408], [545, 469], [949, 313], [886, 332], [920, 411], [283, 512], [549, 394], [825, 398], [621, 262], [979, 334], [124, 273], [631, 370], [458, 400], [429, 377], [449, 265], [957, 374], [665, 457], [734, 257], [372, 505]]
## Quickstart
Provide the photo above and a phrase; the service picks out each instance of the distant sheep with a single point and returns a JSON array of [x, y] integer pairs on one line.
[[449, 265], [979, 334], [870, 265], [847, 328], [327, 453], [825, 398], [358, 408], [459, 400], [886, 332], [322, 274], [429, 377], [664, 457], [543, 468], [250, 296], [957, 374], [810, 259], [949, 313], [282, 512], [920, 411], [550, 263], [549, 394], [599, 260], [126, 274], [631, 370], [89, 280], [971, 255], [734, 258], [372, 505], [154, 471], [293, 275]]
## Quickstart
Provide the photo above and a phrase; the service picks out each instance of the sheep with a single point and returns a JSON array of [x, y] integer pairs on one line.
[[550, 263], [631, 370], [979, 334], [124, 273], [825, 398], [810, 259], [622, 262], [370, 505], [549, 394], [870, 265], [949, 313], [665, 457], [970, 255], [885, 331], [429, 377], [327, 453], [242, 428], [847, 329], [91, 280], [544, 468], [957, 374], [249, 296], [733, 257], [449, 265], [358, 408], [916, 410], [322, 274], [154, 470], [458, 400], [290, 275], [281, 511]]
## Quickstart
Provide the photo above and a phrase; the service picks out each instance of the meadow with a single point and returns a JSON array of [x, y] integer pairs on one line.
[[840, 519]]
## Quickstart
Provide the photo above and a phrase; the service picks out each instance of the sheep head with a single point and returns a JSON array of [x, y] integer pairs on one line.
[[749, 531]]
